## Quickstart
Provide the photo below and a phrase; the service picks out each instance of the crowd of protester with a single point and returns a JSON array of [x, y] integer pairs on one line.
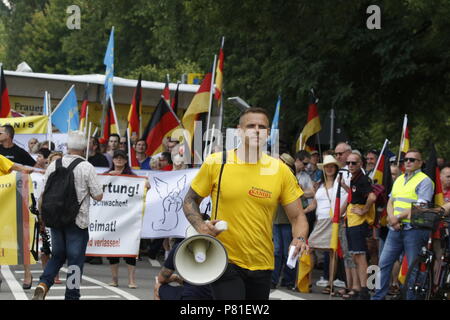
[[365, 238], [363, 241]]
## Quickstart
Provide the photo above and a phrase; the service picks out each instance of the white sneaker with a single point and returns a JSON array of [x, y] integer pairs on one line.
[[339, 283], [322, 282]]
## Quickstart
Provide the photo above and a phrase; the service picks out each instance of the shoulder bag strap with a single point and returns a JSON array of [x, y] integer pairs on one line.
[[224, 160]]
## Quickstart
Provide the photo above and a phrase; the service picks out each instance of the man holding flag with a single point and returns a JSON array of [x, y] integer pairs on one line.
[[412, 186]]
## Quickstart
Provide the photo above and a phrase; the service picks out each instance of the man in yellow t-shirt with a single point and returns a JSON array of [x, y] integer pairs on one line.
[[251, 186], [6, 166], [361, 199]]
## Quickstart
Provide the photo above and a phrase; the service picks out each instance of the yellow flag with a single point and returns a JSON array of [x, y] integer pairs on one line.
[[16, 221], [304, 268]]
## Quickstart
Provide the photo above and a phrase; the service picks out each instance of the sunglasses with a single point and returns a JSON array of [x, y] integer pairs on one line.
[[352, 163], [339, 153], [305, 163], [411, 160]]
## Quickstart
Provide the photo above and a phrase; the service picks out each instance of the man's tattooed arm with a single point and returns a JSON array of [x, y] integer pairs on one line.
[[191, 206]]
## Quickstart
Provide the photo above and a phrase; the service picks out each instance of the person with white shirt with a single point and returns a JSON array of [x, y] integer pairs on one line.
[[324, 206]]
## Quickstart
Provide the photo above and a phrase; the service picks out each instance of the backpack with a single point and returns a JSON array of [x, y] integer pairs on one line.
[[60, 205]]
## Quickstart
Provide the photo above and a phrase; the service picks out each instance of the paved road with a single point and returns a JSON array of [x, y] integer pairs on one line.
[[95, 286]]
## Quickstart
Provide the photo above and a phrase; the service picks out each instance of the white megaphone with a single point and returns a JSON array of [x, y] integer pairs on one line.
[[201, 259]]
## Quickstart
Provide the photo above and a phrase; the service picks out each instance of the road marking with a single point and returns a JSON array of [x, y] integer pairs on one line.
[[14, 286], [83, 297], [154, 263], [278, 294], [64, 287], [124, 294]]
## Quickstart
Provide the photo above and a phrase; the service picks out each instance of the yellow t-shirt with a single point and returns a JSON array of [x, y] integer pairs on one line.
[[5, 165], [249, 195]]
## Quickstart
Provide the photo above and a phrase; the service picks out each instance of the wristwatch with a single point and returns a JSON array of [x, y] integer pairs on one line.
[[301, 239]]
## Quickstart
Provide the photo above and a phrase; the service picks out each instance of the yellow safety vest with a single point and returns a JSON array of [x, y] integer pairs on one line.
[[403, 195]]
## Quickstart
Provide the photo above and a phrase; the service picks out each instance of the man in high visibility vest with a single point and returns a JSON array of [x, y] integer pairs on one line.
[[413, 186]]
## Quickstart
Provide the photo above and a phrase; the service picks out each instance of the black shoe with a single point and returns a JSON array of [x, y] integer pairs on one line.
[[273, 286], [364, 294], [355, 296]]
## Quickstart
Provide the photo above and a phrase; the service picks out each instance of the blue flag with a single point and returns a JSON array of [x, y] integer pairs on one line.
[[67, 112], [274, 128], [108, 61]]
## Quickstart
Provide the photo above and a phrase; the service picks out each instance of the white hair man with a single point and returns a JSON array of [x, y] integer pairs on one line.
[[69, 242]]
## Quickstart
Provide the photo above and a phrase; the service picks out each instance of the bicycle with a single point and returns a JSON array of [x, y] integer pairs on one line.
[[428, 277]]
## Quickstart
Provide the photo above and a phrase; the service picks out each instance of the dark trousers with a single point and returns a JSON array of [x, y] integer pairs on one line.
[[68, 243], [242, 284]]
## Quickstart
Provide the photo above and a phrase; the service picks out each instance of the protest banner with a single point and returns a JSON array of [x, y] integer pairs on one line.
[[164, 216], [27, 125], [16, 221], [116, 220]]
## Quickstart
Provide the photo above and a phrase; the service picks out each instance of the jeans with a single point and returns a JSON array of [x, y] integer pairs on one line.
[[282, 238], [68, 243], [410, 241]]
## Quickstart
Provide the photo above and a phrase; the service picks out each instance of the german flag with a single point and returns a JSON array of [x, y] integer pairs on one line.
[[84, 108], [199, 105], [166, 91], [175, 100], [305, 140], [432, 170], [403, 270], [161, 124], [134, 123], [405, 141], [219, 74], [304, 268], [17, 226], [5, 107], [383, 176], [334, 241], [136, 105]]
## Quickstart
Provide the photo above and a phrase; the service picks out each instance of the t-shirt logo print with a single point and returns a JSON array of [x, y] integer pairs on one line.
[[260, 193]]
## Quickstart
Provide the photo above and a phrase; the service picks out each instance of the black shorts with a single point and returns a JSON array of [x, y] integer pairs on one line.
[[357, 238], [242, 284]]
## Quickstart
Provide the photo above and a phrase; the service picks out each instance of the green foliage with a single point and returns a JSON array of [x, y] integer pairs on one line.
[[370, 77]]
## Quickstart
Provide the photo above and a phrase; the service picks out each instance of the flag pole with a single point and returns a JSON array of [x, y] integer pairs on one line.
[[379, 159], [49, 123], [115, 115], [210, 101], [221, 95], [88, 140], [95, 131], [402, 138], [332, 117], [129, 146], [86, 120]]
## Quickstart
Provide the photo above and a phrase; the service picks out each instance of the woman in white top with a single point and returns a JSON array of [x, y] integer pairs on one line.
[[323, 203]]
